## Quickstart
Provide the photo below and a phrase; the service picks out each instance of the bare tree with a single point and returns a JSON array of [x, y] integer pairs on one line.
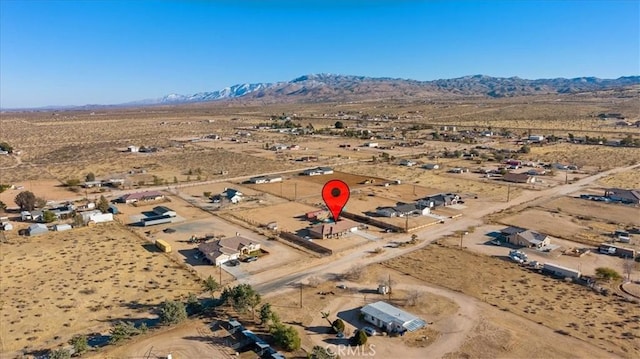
[[355, 273], [627, 267], [314, 282], [413, 297]]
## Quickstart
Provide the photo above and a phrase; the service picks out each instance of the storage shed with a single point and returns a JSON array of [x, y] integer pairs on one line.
[[62, 227], [37, 229]]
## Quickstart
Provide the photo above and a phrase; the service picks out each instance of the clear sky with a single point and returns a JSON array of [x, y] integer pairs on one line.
[[106, 52]]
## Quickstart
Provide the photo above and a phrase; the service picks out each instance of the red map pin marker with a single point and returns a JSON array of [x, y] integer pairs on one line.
[[335, 194]]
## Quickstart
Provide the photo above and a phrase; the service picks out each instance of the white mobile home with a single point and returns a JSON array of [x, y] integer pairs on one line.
[[390, 318], [561, 271]]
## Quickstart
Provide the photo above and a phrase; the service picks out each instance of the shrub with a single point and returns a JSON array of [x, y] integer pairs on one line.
[[172, 312], [80, 344], [607, 274], [338, 325], [359, 338], [60, 354]]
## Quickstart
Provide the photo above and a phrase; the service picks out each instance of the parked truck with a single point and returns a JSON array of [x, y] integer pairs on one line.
[[623, 252], [163, 246]]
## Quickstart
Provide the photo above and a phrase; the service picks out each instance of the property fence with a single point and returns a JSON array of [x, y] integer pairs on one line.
[[290, 237], [372, 221]]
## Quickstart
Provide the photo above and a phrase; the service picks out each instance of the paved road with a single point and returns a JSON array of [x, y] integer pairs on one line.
[[269, 283]]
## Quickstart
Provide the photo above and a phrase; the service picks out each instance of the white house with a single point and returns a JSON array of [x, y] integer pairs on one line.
[[96, 216], [234, 196], [536, 138], [390, 318], [318, 171], [265, 179], [133, 149], [371, 144]]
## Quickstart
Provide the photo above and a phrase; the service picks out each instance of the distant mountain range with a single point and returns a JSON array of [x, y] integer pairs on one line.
[[329, 87]]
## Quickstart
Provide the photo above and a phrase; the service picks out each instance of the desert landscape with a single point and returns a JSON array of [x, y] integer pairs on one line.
[[127, 277]]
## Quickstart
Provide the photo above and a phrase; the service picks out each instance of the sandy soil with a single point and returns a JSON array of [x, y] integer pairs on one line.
[[629, 179], [191, 339], [604, 322], [80, 282], [607, 212]]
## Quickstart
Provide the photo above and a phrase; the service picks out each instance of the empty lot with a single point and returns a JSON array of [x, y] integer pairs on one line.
[[80, 282]]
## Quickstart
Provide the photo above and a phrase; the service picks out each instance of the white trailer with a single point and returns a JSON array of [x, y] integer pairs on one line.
[[561, 271]]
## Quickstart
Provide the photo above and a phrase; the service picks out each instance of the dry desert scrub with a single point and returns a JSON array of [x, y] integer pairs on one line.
[[80, 281], [602, 157], [609, 322]]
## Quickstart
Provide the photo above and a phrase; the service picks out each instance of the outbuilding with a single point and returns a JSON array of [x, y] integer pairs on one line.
[[390, 318], [37, 229], [62, 227]]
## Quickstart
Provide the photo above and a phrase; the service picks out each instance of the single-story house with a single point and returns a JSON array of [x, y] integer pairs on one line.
[[233, 195], [141, 197], [623, 195], [91, 184], [265, 179], [403, 209], [217, 254], [37, 229], [62, 227], [318, 171], [506, 232], [390, 318], [529, 238], [242, 244], [226, 249], [164, 211], [440, 199], [518, 178], [333, 229], [96, 216], [430, 166], [370, 144]]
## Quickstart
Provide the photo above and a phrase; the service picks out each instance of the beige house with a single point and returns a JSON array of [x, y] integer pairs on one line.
[[529, 238]]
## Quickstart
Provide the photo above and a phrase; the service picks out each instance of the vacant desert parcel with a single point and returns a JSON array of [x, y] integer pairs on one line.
[[81, 282]]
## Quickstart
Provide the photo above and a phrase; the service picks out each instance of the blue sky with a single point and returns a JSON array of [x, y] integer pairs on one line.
[[105, 52]]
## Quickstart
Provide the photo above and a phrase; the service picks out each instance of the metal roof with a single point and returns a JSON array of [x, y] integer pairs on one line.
[[388, 313]]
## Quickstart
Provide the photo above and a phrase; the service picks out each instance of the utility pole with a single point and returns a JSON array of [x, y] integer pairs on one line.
[[406, 223], [300, 294], [462, 235], [508, 192], [566, 176]]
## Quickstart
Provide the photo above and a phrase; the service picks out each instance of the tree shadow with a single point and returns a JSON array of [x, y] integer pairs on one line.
[[319, 329]]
